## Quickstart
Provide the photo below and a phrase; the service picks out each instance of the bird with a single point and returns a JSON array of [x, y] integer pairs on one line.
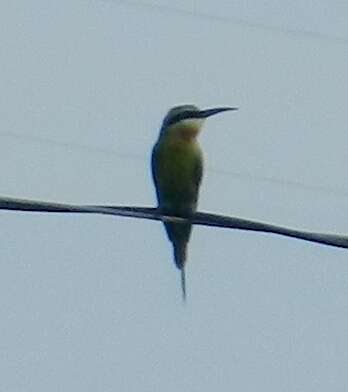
[[177, 169]]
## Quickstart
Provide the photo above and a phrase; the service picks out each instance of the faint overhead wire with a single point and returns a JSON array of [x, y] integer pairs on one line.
[[231, 20], [62, 143], [242, 175]]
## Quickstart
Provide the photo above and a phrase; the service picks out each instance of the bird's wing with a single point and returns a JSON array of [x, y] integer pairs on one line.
[[198, 170], [154, 169], [198, 173]]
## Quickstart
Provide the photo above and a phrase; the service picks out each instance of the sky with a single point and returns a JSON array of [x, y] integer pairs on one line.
[[94, 303]]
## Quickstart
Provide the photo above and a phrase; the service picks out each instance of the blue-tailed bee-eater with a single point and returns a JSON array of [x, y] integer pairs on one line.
[[177, 168]]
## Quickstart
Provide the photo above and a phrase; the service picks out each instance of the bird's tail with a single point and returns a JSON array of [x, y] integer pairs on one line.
[[183, 283], [180, 260]]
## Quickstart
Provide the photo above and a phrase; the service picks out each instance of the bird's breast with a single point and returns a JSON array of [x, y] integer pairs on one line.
[[177, 175]]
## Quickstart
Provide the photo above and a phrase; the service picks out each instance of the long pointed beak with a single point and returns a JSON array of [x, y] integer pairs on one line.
[[211, 112]]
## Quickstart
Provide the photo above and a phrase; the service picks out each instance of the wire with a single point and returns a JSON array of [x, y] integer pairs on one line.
[[242, 22], [198, 218], [69, 144], [242, 175]]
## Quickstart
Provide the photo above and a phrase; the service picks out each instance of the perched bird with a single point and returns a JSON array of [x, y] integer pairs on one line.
[[177, 167]]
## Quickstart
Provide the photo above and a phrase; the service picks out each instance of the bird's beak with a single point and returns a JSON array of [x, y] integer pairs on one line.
[[211, 112]]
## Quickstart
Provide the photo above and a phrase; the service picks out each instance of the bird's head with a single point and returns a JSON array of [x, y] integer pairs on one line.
[[186, 121]]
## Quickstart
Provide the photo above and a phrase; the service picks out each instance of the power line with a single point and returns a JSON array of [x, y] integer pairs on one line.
[[69, 144], [198, 218], [309, 34], [242, 175]]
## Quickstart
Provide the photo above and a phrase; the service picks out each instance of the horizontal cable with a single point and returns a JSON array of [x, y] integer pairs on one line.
[[309, 34], [117, 154], [199, 218]]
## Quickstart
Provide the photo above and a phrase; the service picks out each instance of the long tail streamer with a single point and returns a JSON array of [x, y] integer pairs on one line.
[[183, 283]]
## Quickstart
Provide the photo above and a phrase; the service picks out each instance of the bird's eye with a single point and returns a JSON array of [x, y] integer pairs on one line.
[[181, 116]]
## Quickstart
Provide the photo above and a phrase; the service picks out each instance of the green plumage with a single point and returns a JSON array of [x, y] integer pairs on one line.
[[177, 167], [177, 172]]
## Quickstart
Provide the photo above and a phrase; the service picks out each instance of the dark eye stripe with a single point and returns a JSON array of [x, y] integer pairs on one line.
[[182, 116]]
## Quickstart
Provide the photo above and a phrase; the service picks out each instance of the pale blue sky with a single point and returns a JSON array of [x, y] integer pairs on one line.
[[92, 303]]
